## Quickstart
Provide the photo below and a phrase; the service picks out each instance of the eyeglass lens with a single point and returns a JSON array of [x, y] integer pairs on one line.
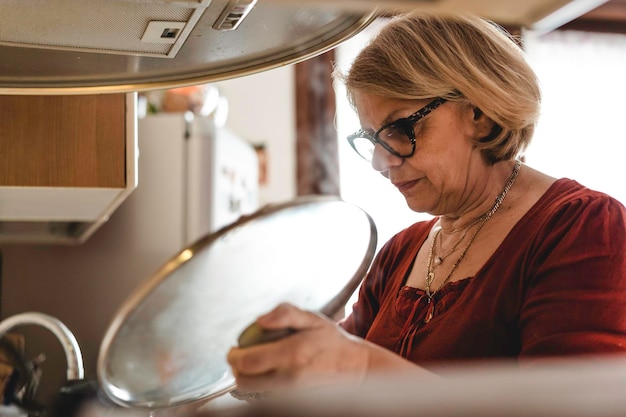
[[396, 137]]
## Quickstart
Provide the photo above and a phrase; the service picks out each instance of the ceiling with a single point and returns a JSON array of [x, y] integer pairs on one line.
[[608, 17], [530, 14]]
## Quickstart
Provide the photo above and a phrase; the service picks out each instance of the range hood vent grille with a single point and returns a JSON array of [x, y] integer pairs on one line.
[[102, 26]]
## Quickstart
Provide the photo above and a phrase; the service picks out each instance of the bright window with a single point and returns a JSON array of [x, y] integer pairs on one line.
[[582, 130]]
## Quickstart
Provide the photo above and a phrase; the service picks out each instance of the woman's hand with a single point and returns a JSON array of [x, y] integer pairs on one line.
[[319, 352]]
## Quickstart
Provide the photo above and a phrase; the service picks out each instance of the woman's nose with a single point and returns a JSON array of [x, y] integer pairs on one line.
[[382, 159]]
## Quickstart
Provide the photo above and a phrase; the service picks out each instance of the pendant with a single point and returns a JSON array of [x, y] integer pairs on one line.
[[430, 312], [431, 277], [438, 260]]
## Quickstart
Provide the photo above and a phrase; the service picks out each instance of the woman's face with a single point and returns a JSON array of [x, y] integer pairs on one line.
[[445, 169]]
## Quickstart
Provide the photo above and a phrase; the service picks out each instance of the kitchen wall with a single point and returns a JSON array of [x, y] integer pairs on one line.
[[84, 285]]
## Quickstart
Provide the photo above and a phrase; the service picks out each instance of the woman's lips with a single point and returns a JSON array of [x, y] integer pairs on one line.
[[404, 186]]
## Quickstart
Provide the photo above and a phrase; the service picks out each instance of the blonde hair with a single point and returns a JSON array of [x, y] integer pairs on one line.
[[458, 57]]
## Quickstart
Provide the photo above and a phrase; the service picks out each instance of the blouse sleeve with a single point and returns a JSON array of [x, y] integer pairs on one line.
[[575, 300]]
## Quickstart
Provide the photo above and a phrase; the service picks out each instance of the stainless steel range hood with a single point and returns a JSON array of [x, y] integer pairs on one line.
[[107, 46], [89, 46]]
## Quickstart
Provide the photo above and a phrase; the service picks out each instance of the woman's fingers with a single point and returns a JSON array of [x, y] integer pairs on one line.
[[316, 350], [255, 360], [288, 316], [295, 350]]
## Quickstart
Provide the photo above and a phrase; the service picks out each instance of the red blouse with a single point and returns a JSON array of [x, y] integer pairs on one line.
[[555, 286]]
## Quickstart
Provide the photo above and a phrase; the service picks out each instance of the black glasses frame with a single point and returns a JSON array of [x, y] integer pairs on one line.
[[406, 124]]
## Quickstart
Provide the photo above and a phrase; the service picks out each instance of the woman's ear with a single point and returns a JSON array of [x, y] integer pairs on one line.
[[483, 125]]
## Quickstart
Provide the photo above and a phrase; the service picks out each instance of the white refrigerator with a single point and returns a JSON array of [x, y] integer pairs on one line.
[[201, 174]]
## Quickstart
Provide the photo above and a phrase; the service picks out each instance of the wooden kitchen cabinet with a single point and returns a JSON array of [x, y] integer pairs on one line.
[[66, 163]]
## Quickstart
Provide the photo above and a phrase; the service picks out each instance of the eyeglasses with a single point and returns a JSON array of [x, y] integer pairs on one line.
[[397, 137]]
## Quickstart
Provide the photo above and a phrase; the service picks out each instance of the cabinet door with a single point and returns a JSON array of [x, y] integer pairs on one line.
[[63, 141]]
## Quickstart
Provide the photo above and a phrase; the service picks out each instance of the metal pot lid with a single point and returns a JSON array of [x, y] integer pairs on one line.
[[167, 344], [107, 46]]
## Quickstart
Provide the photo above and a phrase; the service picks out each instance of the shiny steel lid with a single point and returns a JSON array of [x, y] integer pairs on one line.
[[168, 342]]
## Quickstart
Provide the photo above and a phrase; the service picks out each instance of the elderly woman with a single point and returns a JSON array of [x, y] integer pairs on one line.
[[515, 264]]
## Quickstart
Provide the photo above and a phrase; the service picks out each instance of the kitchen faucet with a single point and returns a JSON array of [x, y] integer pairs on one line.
[[73, 355]]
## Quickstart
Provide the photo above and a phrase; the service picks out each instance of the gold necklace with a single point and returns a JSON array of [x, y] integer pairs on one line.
[[438, 259], [430, 273]]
